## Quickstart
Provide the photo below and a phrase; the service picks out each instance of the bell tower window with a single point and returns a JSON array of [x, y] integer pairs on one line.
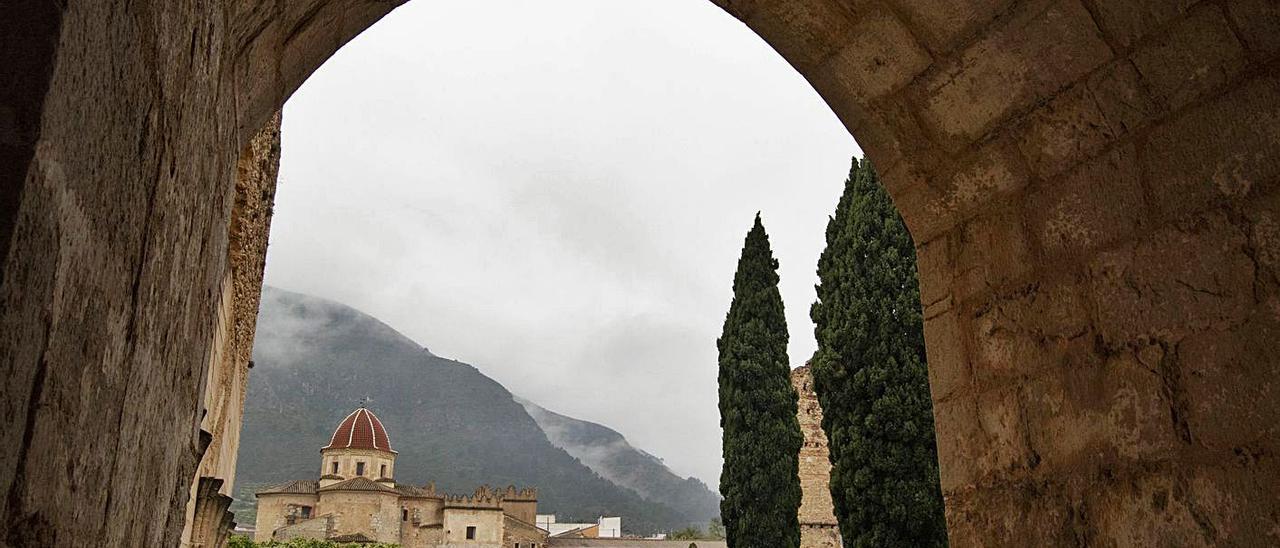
[[335, 467], [359, 468]]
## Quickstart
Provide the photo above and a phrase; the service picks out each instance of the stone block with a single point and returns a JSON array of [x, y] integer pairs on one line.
[[1066, 129], [1123, 99], [880, 57], [943, 26], [924, 209], [1221, 150], [1128, 21], [1098, 203], [1152, 509], [1195, 56], [805, 32], [1187, 277], [1264, 238], [1229, 386], [890, 136], [1258, 22], [1002, 422], [1012, 513], [934, 202], [993, 252], [948, 356], [1042, 48], [1100, 411], [933, 263], [1030, 332], [980, 438]]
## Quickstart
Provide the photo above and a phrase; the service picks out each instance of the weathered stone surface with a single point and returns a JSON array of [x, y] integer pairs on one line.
[[1098, 203], [1129, 21], [1037, 51], [228, 371], [1072, 299], [1067, 129], [1199, 54], [1219, 152], [818, 526], [881, 56], [1258, 22], [942, 26], [1122, 97], [1188, 277]]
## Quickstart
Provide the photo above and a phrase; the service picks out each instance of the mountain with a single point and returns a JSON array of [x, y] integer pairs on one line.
[[314, 359], [607, 453]]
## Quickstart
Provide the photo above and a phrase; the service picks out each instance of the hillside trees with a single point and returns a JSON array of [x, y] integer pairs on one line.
[[762, 438], [871, 376]]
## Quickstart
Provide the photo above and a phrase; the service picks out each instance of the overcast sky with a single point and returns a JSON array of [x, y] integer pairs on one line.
[[557, 192]]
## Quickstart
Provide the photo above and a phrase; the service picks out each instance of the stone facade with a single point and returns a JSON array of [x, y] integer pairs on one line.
[[818, 526], [356, 497], [1093, 189]]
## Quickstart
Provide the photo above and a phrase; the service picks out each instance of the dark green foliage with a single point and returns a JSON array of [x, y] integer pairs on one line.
[[759, 482], [237, 541], [871, 377]]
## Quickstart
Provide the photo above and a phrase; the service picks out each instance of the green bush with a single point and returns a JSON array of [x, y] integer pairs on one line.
[[240, 541]]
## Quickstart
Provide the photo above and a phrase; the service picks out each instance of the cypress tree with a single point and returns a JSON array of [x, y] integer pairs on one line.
[[760, 479], [871, 376]]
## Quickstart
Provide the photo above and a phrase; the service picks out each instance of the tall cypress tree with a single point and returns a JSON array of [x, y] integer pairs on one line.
[[871, 377], [759, 481]]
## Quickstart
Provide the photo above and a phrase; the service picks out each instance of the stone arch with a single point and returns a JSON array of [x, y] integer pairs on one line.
[[1091, 186]]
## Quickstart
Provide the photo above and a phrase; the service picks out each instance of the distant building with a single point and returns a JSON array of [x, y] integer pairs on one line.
[[356, 499], [818, 526], [604, 527]]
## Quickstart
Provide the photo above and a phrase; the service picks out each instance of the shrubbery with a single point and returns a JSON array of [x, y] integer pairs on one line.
[[238, 541]]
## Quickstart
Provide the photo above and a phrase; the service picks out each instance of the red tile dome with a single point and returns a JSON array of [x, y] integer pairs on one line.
[[360, 430]]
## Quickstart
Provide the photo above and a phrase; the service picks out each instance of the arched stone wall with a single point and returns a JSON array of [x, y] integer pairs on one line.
[[1091, 185]]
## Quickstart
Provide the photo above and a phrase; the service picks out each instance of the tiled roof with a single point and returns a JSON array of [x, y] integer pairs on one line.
[[360, 430], [295, 487], [358, 484]]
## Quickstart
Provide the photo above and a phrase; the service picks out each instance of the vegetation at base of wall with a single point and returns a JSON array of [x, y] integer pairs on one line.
[[760, 480], [871, 376], [239, 541]]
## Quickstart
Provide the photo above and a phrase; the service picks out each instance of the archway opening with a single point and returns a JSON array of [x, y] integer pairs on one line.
[[557, 197]]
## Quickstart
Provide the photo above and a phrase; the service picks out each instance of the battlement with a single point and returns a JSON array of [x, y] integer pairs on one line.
[[488, 497]]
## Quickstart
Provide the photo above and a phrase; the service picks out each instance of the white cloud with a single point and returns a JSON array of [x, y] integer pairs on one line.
[[557, 192]]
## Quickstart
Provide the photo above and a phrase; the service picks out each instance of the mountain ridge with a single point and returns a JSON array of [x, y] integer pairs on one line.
[[314, 358]]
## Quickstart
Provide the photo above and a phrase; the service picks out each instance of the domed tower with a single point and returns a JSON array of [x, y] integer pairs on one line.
[[358, 448]]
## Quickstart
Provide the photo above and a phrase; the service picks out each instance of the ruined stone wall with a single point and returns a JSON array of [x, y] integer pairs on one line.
[[374, 514], [274, 510], [818, 526], [318, 528]]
